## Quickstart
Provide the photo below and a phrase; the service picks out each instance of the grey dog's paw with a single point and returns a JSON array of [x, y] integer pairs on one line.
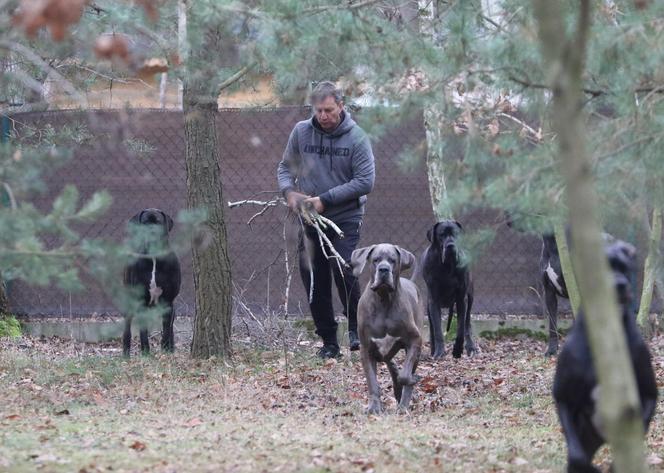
[[471, 349], [374, 408]]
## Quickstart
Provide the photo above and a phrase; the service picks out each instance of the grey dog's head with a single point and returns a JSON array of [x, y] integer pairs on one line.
[[387, 262], [443, 237], [150, 225]]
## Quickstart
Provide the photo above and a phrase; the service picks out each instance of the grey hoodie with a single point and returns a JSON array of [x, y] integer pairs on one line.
[[337, 166]]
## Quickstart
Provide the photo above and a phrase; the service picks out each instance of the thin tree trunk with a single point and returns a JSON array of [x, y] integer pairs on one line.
[[163, 83], [619, 403], [433, 125], [568, 270], [649, 270], [182, 45], [658, 290], [211, 264], [4, 302]]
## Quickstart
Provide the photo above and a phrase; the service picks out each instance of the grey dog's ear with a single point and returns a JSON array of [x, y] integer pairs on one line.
[[406, 257], [136, 219], [359, 258]]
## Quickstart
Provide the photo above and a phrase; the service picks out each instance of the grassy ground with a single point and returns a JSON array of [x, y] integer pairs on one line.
[[72, 407]]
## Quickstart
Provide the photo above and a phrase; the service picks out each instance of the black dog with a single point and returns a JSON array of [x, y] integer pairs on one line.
[[448, 284], [157, 279], [575, 388], [554, 287], [553, 282]]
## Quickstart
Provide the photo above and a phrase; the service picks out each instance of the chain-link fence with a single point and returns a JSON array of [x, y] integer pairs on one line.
[[138, 156]]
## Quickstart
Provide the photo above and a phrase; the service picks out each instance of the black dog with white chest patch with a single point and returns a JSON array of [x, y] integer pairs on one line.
[[554, 287], [450, 285], [575, 388], [157, 278]]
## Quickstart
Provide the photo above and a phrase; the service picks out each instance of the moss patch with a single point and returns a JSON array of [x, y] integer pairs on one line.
[[512, 332]]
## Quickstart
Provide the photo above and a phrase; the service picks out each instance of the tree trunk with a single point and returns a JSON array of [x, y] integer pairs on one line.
[[566, 265], [183, 48], [211, 264], [4, 302], [433, 124], [619, 403], [649, 270]]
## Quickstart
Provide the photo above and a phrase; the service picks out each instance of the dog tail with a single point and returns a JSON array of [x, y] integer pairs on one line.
[[449, 324]]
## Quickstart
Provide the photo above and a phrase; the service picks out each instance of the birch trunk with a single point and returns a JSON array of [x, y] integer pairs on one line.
[[433, 125]]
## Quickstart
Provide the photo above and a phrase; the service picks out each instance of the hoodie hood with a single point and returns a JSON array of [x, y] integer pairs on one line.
[[345, 125]]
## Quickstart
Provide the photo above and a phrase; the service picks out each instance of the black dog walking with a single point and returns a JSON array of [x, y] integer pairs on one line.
[[575, 388], [449, 284], [157, 278]]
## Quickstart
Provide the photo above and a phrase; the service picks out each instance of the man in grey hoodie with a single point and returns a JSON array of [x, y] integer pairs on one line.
[[328, 163]]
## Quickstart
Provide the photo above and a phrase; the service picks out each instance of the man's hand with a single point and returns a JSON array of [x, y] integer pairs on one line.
[[294, 198], [317, 203]]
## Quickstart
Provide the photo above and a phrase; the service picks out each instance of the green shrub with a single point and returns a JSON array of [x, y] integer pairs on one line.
[[9, 326]]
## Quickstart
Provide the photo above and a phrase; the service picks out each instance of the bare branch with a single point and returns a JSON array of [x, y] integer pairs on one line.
[[236, 77], [34, 58], [536, 135]]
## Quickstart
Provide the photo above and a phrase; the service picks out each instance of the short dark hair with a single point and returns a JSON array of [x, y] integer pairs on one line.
[[324, 90]]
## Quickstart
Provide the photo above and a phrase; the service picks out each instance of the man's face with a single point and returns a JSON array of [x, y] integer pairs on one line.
[[328, 113]]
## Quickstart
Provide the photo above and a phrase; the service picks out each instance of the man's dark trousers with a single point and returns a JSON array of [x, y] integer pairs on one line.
[[347, 285]]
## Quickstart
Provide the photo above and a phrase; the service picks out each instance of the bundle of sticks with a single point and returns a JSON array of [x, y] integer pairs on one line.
[[307, 215]]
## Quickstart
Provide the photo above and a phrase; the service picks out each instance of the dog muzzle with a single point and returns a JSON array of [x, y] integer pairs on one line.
[[383, 280]]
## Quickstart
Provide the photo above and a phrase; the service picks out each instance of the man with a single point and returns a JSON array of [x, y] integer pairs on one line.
[[328, 164]]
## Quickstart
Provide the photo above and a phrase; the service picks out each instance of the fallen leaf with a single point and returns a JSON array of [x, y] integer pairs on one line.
[[284, 382], [63, 412], [13, 417], [194, 422], [520, 461], [138, 446], [46, 457], [428, 385]]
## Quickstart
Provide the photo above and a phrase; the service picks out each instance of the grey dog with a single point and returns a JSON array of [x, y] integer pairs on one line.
[[390, 317]]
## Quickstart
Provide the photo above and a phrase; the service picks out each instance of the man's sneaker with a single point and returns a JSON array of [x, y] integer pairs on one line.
[[354, 340], [329, 351]]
